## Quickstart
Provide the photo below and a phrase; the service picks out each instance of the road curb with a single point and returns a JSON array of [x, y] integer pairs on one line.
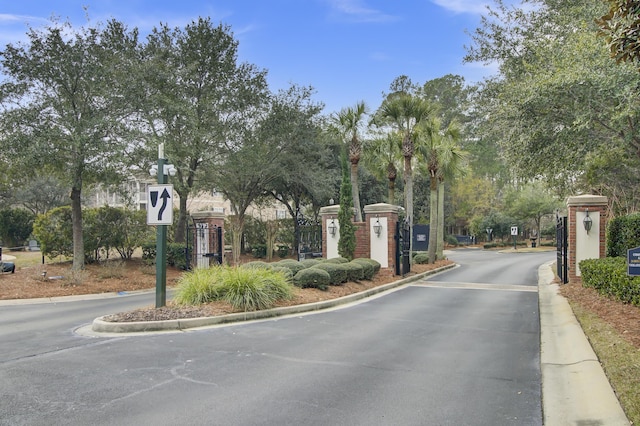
[[101, 326], [575, 389]]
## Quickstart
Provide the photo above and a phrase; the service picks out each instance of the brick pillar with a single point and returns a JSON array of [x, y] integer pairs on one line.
[[582, 244], [382, 247]]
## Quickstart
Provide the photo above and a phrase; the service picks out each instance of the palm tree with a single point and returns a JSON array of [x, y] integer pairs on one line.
[[382, 157], [405, 112], [348, 123], [442, 158]]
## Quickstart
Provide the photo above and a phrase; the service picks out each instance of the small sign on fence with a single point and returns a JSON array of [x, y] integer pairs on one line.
[[633, 261]]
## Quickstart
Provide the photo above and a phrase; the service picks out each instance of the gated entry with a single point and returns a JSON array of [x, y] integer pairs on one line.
[[403, 247], [207, 245], [562, 243], [309, 238]]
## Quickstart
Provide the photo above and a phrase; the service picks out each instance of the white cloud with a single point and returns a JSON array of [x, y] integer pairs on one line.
[[463, 6], [357, 10]]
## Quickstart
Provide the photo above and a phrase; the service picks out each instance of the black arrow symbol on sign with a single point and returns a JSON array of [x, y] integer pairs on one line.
[[165, 196]]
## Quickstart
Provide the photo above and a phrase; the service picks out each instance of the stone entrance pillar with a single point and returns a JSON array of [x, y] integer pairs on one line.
[[382, 220], [586, 230], [330, 231]]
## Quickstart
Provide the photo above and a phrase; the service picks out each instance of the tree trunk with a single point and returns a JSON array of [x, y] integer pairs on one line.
[[355, 193], [440, 245], [408, 199], [237, 228], [76, 223], [433, 219], [179, 235]]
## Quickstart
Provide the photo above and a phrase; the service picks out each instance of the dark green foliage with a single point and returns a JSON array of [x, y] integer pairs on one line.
[[53, 231], [16, 226], [609, 277], [451, 240], [368, 270], [623, 233], [283, 251], [355, 271], [337, 271], [312, 278], [337, 260], [347, 241], [176, 255], [259, 251], [421, 258]]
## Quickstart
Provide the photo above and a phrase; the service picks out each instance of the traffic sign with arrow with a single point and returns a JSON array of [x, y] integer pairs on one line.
[[160, 205]]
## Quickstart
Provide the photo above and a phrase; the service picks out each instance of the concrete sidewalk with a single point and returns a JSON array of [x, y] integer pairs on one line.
[[575, 390]]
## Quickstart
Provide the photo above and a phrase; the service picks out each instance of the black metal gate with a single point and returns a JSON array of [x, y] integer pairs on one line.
[[206, 244], [562, 247], [309, 238], [403, 247]]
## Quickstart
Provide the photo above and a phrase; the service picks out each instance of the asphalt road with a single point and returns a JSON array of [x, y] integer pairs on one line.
[[462, 348]]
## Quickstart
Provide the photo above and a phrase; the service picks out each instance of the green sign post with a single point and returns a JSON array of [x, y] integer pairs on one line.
[[160, 213]]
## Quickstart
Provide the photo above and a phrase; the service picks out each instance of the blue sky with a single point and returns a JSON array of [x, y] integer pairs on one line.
[[348, 50]]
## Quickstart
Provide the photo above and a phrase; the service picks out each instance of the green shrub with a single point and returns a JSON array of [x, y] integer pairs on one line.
[[337, 272], [293, 265], [376, 265], [282, 269], [283, 251], [256, 264], [176, 255], [53, 231], [368, 271], [337, 260], [312, 278], [16, 226], [421, 258], [308, 263], [609, 277], [623, 233], [452, 240], [259, 251], [355, 271]]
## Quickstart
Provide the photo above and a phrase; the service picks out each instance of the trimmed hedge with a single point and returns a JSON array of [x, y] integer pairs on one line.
[[337, 272], [609, 277], [293, 265], [355, 271], [376, 265], [368, 270], [312, 278], [337, 260], [308, 263]]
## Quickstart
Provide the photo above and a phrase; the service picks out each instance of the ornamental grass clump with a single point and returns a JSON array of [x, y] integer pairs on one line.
[[198, 286], [254, 289], [246, 289]]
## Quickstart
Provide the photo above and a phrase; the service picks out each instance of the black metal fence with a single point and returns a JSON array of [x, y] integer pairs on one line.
[[562, 244], [403, 248], [207, 248]]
